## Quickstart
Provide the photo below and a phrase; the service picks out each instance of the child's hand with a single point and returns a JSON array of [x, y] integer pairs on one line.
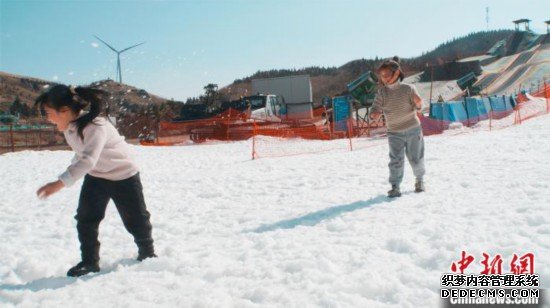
[[49, 189], [375, 116], [417, 102]]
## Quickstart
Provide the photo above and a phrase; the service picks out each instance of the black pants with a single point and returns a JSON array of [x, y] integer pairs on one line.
[[128, 197]]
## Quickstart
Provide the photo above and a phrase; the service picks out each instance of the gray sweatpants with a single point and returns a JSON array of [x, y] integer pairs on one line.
[[410, 143]]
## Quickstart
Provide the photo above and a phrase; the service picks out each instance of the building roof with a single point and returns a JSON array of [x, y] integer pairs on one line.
[[521, 21]]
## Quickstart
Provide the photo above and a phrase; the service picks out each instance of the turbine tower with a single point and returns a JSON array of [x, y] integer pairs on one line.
[[118, 67], [487, 17]]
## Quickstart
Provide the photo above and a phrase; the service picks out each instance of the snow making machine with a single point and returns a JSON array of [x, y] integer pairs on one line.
[[362, 91]]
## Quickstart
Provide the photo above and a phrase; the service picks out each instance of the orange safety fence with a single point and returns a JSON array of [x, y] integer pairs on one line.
[[236, 125], [217, 127], [543, 91], [316, 135], [32, 135], [311, 131], [315, 132], [278, 139], [365, 135]]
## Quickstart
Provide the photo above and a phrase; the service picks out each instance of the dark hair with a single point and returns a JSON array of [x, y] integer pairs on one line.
[[76, 99], [393, 65]]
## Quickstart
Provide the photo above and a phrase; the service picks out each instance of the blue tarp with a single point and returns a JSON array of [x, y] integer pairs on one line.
[[454, 111], [502, 103], [475, 107], [470, 109], [436, 111], [448, 111]]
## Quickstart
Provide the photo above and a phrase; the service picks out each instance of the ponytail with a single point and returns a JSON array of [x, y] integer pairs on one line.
[[398, 61], [76, 99], [93, 97]]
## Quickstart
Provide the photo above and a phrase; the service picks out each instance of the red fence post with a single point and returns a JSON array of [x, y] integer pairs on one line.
[[546, 96], [491, 119], [350, 132], [158, 133], [11, 138], [490, 113], [39, 135], [227, 123], [253, 139]]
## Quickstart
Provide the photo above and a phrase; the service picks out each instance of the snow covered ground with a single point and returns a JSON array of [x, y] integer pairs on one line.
[[300, 231]]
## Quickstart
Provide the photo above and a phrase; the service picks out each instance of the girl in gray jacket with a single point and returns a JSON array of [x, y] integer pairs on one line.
[[102, 159]]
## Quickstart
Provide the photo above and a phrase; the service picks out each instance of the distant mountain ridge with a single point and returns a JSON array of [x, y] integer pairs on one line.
[[26, 89], [332, 80], [131, 103]]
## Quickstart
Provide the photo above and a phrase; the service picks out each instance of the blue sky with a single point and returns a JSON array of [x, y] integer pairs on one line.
[[192, 43]]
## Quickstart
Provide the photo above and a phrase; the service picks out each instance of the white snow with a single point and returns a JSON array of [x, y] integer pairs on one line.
[[300, 231]]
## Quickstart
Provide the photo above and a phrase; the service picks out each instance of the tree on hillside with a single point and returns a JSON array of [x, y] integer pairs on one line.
[[18, 108], [465, 46], [172, 109], [210, 95], [210, 89], [212, 98]]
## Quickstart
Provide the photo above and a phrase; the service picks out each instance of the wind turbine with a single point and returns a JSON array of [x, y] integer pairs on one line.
[[118, 67]]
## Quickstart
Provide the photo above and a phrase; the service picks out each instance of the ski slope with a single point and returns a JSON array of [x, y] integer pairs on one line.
[[526, 70], [301, 231]]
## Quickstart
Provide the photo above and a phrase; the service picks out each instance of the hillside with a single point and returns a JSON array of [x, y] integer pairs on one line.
[[122, 97], [332, 80], [13, 87]]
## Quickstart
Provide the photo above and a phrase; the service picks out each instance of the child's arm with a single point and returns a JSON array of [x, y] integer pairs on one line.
[[376, 109], [87, 154], [416, 99], [86, 157]]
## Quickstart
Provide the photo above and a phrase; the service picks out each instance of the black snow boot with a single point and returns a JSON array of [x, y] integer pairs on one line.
[[83, 268], [419, 186], [145, 253], [394, 192], [144, 256]]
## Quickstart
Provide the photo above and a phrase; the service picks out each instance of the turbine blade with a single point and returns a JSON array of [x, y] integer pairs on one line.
[[123, 50], [106, 44]]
